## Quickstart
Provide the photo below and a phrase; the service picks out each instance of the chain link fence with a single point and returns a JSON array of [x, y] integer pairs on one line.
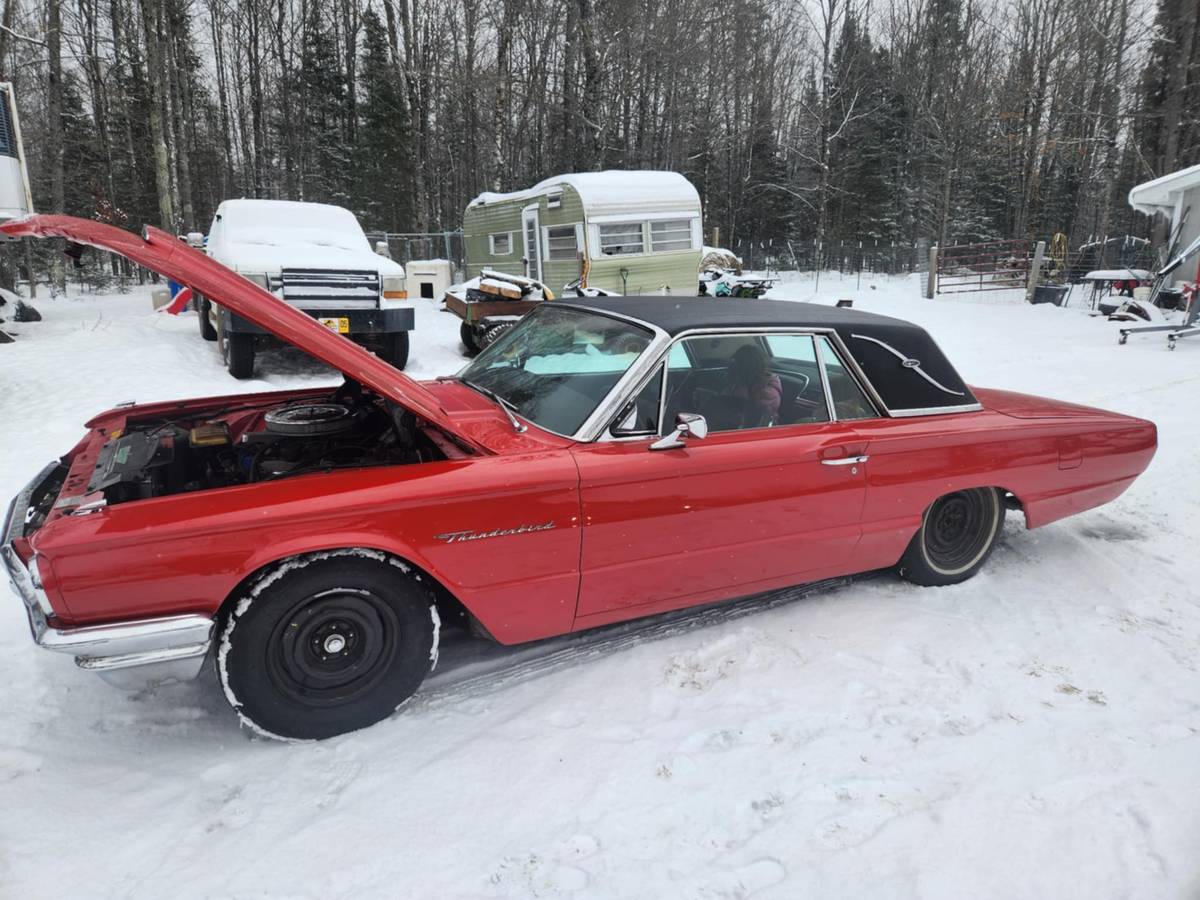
[[877, 257], [405, 247]]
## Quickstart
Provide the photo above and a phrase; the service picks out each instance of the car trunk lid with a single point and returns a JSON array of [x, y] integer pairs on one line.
[[1027, 406]]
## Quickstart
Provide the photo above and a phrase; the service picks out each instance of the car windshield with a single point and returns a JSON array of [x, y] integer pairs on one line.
[[557, 365]]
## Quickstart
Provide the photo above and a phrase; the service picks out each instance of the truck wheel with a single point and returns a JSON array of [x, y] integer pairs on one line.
[[958, 532], [237, 350], [203, 309], [395, 348], [467, 333], [327, 644]]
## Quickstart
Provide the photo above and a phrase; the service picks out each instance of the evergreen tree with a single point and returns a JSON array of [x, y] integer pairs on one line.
[[383, 165], [325, 171]]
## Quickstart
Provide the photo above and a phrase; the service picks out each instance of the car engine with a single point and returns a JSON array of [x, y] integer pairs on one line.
[[254, 443]]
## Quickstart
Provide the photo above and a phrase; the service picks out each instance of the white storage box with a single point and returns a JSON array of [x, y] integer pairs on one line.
[[428, 279]]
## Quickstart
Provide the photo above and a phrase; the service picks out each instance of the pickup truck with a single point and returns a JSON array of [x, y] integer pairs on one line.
[[316, 258]]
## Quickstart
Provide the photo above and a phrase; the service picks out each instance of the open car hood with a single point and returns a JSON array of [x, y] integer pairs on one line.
[[170, 256]]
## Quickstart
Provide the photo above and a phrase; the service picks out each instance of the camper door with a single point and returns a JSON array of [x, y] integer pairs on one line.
[[533, 241]]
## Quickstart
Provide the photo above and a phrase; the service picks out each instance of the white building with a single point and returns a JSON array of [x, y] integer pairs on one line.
[[1176, 196]]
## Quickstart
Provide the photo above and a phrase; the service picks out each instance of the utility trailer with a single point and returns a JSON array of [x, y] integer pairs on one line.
[[491, 304]]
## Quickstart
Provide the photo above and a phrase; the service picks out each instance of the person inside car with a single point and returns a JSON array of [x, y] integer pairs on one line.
[[752, 382]]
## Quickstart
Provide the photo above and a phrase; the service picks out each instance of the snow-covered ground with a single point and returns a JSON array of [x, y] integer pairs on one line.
[[1033, 733]]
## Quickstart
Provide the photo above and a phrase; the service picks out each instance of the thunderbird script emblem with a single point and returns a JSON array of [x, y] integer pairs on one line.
[[457, 537]]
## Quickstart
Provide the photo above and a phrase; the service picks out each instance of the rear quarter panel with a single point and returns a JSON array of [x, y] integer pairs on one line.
[[1054, 466]]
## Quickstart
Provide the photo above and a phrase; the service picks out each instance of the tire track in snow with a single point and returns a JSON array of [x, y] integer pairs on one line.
[[471, 667]]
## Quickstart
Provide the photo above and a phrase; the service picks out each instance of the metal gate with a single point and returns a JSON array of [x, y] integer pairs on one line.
[[990, 266]]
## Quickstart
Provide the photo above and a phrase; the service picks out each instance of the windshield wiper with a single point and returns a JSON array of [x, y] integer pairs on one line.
[[518, 426]]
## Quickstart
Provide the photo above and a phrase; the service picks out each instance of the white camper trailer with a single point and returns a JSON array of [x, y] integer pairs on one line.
[[15, 198]]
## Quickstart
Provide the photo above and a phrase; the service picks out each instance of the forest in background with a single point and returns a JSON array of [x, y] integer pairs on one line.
[[887, 120]]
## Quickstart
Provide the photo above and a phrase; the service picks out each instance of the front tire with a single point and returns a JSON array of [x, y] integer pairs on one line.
[[958, 532], [237, 351], [203, 310], [326, 644]]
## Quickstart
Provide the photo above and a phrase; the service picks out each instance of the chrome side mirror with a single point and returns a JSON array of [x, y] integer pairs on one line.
[[686, 425]]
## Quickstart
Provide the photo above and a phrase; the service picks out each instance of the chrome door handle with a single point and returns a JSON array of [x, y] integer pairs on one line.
[[845, 461]]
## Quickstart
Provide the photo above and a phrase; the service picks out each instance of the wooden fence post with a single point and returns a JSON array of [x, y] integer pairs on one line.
[[931, 281], [1035, 270]]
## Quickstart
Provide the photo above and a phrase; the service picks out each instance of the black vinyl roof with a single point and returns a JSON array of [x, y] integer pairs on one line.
[[903, 363], [675, 313]]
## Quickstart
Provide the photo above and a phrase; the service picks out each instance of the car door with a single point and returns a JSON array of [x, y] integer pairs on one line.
[[744, 509]]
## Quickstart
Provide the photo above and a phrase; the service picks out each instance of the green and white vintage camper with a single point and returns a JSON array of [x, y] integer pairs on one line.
[[624, 232]]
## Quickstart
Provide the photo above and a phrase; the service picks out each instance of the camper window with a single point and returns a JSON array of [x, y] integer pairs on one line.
[[501, 244], [622, 238], [561, 242], [675, 234]]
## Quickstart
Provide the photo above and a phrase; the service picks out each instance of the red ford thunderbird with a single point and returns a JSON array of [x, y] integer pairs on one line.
[[605, 459]]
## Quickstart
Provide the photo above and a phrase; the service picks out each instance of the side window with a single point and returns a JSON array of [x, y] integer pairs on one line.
[[678, 357], [646, 404], [561, 242], [621, 239], [501, 244], [748, 381], [675, 234], [849, 401]]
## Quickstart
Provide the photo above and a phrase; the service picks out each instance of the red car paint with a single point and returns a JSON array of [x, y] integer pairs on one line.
[[634, 532]]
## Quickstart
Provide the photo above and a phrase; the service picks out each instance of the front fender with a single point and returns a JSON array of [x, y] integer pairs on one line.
[[188, 553]]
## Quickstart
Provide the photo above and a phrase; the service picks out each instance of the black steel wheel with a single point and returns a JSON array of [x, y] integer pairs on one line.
[[332, 647], [958, 532], [327, 644]]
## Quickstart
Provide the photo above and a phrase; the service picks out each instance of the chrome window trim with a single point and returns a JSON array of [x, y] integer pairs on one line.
[[799, 331], [936, 410], [842, 356], [831, 410], [604, 412], [589, 430], [909, 363], [608, 434], [596, 427]]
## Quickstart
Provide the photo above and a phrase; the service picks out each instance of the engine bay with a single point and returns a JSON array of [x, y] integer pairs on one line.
[[247, 443]]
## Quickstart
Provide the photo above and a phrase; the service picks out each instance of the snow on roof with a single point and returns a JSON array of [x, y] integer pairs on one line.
[[614, 191], [1117, 275], [1160, 194], [290, 222]]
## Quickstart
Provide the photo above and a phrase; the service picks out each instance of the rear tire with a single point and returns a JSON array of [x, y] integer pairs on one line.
[[203, 310], [326, 644], [958, 532], [395, 348]]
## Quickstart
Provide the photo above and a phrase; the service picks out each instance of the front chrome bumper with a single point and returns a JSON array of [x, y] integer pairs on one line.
[[170, 647]]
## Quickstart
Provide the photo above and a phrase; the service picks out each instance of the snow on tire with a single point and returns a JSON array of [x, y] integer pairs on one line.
[[327, 643]]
